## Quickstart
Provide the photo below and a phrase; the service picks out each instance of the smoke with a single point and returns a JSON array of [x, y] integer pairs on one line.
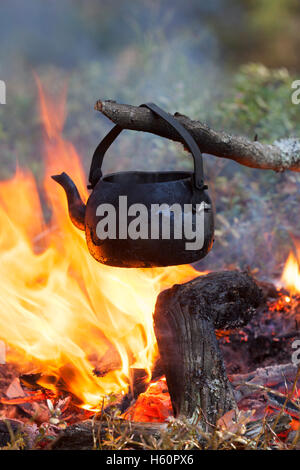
[[67, 33], [132, 51]]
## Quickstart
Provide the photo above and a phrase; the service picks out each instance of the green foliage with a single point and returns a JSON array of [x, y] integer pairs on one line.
[[259, 102], [257, 207]]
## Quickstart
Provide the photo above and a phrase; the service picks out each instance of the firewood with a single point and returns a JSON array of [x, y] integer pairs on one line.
[[272, 377], [84, 434], [89, 434], [282, 155], [185, 320]]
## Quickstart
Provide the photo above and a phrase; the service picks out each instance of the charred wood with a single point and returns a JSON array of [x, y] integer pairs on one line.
[[185, 320]]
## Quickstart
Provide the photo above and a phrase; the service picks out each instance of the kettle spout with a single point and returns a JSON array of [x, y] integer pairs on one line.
[[75, 204]]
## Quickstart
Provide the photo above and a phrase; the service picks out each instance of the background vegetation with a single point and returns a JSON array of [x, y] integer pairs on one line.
[[227, 62]]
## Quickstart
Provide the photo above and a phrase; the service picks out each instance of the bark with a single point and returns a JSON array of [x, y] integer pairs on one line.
[[185, 320], [282, 155]]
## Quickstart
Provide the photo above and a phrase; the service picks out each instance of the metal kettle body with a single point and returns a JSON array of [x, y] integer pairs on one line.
[[144, 219]]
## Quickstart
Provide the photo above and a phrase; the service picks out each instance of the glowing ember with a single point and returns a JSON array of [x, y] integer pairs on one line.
[[152, 406], [62, 311]]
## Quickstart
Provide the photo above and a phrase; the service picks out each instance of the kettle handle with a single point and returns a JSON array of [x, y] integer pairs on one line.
[[96, 173]]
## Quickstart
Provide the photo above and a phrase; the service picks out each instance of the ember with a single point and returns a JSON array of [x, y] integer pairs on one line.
[[152, 406]]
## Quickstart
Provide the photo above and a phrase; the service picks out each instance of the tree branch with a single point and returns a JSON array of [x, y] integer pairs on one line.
[[283, 155]]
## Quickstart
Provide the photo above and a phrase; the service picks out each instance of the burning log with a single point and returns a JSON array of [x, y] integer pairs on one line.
[[282, 155], [185, 320]]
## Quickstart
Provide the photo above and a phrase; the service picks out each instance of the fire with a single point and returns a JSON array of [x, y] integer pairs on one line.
[[291, 274], [61, 311]]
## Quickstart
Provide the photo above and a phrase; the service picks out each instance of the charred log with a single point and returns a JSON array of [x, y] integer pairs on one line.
[[185, 320], [89, 434], [275, 377]]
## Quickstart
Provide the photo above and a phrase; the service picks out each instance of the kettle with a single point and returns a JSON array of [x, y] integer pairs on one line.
[[138, 219]]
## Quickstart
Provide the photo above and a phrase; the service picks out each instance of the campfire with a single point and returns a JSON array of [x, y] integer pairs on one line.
[[65, 315], [78, 337]]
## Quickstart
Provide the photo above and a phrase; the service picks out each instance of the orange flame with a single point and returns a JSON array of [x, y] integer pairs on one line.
[[62, 311], [291, 274]]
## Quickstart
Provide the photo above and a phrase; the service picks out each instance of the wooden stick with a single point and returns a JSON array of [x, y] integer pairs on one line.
[[282, 155]]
